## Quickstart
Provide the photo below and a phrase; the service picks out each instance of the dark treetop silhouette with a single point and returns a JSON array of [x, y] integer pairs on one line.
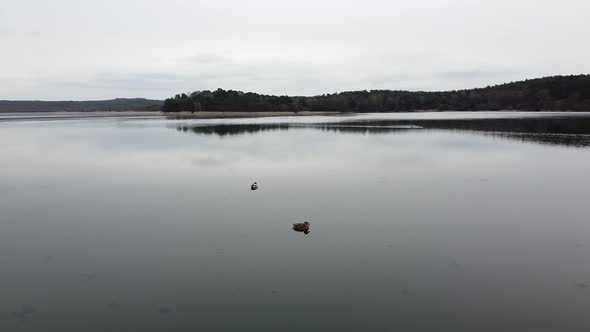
[[119, 104], [550, 93]]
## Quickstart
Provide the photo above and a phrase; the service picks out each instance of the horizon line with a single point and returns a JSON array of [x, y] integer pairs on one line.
[[296, 96]]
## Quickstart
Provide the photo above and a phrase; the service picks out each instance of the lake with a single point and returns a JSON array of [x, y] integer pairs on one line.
[[419, 222]]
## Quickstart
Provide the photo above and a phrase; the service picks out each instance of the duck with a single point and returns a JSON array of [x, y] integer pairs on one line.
[[301, 227], [254, 186]]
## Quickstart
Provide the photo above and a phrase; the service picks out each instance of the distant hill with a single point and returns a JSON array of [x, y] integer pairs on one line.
[[556, 93], [119, 104], [563, 93]]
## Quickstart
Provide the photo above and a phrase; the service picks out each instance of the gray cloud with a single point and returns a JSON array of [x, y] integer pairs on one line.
[[207, 58], [471, 74], [154, 48]]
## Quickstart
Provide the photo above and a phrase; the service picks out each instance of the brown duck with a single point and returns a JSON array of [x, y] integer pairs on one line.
[[301, 227]]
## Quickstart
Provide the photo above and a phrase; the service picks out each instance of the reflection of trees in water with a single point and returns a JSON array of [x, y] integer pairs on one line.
[[570, 131], [551, 139], [230, 130], [233, 130], [547, 125]]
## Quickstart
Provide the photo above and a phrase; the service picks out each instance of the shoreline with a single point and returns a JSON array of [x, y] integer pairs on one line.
[[73, 115], [237, 115]]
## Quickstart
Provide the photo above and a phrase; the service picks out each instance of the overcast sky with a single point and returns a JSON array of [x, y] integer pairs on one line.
[[77, 49]]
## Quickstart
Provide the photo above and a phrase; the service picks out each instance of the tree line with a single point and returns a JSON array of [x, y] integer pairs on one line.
[[119, 104], [550, 93]]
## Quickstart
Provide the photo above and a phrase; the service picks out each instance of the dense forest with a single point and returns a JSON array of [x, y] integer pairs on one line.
[[119, 104], [549, 93]]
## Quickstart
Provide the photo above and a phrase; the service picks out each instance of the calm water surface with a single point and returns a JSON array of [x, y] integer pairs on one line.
[[477, 222]]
